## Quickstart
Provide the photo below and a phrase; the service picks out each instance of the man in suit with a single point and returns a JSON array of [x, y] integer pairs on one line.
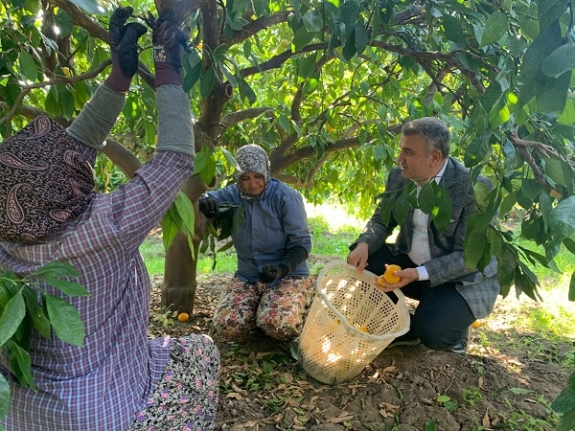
[[451, 297]]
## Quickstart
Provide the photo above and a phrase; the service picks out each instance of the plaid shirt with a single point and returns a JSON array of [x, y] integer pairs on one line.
[[101, 385]]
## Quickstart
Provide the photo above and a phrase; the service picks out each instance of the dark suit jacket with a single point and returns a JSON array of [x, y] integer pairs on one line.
[[480, 290]]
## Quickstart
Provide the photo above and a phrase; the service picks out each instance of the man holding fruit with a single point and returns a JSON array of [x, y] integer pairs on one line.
[[451, 297]]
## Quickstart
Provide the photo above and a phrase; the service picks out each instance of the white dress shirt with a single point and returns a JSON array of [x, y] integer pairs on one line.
[[420, 251]]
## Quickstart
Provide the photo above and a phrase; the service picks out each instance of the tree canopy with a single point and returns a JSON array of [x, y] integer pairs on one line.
[[325, 85]]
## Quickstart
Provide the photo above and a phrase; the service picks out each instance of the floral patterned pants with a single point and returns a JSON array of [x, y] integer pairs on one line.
[[186, 398], [278, 311]]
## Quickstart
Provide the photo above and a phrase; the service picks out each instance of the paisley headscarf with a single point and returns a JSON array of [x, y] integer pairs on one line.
[[251, 158], [45, 182]]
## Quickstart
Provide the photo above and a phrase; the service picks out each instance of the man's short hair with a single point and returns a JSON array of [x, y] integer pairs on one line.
[[433, 130]]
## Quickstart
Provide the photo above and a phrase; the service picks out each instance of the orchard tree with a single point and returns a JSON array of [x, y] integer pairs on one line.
[[324, 86]]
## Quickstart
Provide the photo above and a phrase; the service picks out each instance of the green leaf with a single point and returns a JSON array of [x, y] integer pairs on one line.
[[550, 11], [12, 317], [559, 61], [401, 208], [475, 241], [301, 38], [520, 391], [531, 76], [426, 198], [452, 28], [477, 150], [65, 320], [229, 157], [361, 37], [313, 21], [207, 83], [56, 269], [560, 172], [567, 421], [226, 246], [565, 401], [185, 210], [64, 23], [39, 320], [169, 227], [571, 294], [495, 28], [21, 364], [4, 396], [562, 219], [28, 66], [443, 398], [246, 91], [239, 219], [386, 207], [348, 12], [306, 67], [443, 210], [70, 288], [552, 97]]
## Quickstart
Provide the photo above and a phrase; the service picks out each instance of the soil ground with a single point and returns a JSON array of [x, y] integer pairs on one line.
[[507, 379]]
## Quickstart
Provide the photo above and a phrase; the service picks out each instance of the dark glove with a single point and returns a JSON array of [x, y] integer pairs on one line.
[[124, 42], [293, 258], [271, 273], [168, 39], [209, 206]]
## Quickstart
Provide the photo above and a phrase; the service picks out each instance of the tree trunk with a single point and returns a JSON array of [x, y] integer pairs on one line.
[[180, 267]]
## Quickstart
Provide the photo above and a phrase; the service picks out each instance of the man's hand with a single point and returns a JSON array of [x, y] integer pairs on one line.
[[358, 256], [407, 275], [124, 42]]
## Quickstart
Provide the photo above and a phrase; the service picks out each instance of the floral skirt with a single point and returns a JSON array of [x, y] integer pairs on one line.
[[186, 398], [278, 311]]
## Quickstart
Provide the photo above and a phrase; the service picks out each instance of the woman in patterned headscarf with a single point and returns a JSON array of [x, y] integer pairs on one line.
[[271, 287], [119, 379]]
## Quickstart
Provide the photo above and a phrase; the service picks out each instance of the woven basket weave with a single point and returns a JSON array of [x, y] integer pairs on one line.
[[334, 345]]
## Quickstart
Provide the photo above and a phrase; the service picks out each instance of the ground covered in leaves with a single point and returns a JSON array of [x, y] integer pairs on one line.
[[506, 381]]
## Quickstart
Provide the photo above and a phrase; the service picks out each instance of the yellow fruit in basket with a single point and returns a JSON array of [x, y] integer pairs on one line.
[[389, 275], [363, 329]]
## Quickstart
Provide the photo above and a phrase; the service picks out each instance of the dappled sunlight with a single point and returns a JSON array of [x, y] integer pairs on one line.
[[554, 315], [335, 216]]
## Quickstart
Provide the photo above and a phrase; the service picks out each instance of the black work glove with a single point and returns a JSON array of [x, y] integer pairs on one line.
[[271, 273], [124, 42], [209, 206], [293, 258], [168, 40]]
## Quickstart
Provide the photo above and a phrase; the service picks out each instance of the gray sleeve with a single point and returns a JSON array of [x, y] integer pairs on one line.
[[175, 130], [98, 117]]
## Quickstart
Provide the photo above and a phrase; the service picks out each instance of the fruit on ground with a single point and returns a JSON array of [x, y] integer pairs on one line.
[[183, 317]]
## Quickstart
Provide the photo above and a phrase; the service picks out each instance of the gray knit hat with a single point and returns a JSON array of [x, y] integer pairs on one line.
[[251, 158]]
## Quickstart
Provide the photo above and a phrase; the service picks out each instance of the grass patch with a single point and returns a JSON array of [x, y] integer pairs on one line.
[[331, 228]]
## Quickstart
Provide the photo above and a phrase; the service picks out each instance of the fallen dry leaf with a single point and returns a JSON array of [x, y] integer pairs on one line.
[[486, 422]]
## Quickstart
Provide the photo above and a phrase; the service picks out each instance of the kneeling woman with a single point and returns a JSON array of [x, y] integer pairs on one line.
[[272, 286]]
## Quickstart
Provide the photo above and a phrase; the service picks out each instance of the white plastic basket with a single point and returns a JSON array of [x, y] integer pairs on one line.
[[333, 345]]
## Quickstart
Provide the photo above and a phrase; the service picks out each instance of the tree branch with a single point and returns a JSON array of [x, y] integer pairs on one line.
[[257, 25], [245, 114]]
